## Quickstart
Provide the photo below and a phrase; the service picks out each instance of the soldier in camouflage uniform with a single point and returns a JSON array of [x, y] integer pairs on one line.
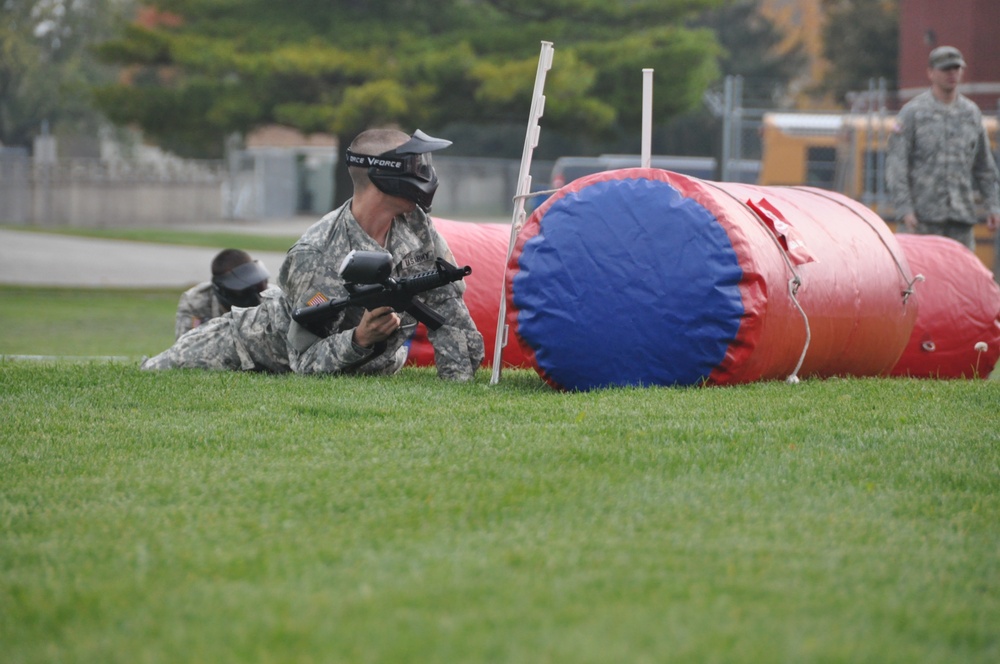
[[939, 157], [243, 339], [394, 183], [392, 176], [237, 281]]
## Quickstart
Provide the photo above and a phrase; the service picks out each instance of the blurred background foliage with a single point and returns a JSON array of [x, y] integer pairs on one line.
[[189, 73]]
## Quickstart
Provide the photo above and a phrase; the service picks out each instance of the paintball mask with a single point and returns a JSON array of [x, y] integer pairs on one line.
[[241, 286], [406, 171]]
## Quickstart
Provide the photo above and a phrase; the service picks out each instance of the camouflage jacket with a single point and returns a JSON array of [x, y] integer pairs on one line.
[[259, 333], [939, 159], [309, 276], [197, 305]]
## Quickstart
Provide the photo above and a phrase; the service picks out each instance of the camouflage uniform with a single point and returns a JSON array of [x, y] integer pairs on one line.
[[309, 276], [939, 157], [245, 339], [197, 305]]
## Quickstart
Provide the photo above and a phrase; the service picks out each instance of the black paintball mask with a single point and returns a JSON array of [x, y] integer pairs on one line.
[[406, 171], [241, 286]]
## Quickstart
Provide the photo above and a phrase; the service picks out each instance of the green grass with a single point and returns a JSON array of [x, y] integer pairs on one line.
[[195, 238], [86, 322], [225, 517], [228, 517]]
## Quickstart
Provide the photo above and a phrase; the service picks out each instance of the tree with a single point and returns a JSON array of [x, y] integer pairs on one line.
[[204, 68], [46, 69], [752, 47], [861, 42]]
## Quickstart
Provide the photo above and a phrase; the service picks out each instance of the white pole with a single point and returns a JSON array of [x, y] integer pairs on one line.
[[647, 117], [727, 128], [523, 191]]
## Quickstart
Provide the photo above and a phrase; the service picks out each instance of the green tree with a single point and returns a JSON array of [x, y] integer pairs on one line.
[[861, 42], [46, 68], [341, 66]]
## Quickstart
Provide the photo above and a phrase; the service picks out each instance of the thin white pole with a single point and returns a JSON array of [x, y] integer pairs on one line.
[[523, 191], [727, 128], [647, 117]]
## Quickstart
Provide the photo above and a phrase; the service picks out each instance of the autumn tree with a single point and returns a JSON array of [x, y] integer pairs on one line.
[[861, 42], [753, 47]]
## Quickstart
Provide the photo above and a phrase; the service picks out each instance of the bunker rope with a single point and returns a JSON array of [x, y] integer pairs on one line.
[[908, 291], [547, 192], [793, 284], [793, 290]]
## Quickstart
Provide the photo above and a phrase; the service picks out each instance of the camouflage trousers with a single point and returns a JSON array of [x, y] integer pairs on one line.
[[956, 230], [255, 339], [216, 345]]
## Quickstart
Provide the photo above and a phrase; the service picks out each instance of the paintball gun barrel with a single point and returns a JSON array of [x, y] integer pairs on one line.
[[368, 279]]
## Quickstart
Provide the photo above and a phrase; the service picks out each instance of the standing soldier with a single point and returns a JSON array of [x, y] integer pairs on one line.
[[939, 157]]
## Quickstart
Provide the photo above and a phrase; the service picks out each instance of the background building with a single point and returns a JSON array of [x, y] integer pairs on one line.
[[972, 26]]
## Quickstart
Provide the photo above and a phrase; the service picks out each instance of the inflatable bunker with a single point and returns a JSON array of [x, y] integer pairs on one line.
[[484, 247], [957, 332], [648, 277]]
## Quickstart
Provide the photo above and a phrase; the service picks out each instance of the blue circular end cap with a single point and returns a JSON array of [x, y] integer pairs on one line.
[[627, 282]]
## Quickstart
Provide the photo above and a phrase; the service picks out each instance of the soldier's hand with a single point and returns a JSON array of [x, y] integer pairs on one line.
[[910, 221], [993, 221], [376, 325]]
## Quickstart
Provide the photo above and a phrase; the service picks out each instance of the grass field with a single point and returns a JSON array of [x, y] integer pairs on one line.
[[86, 321], [224, 517], [233, 517]]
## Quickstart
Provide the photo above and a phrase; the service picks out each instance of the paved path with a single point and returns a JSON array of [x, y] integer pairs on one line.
[[46, 259], [43, 259]]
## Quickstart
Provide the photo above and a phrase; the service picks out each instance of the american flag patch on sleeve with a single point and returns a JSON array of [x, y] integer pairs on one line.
[[318, 298]]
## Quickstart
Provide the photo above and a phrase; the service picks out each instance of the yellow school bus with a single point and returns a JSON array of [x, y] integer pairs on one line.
[[799, 148], [846, 153]]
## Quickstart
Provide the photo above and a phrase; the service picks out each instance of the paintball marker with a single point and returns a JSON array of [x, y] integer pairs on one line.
[[367, 278]]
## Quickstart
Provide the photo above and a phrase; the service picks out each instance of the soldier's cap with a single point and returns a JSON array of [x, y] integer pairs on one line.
[[944, 57]]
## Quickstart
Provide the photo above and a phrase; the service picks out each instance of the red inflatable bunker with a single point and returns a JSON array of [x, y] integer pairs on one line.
[[648, 277], [959, 310], [484, 248]]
